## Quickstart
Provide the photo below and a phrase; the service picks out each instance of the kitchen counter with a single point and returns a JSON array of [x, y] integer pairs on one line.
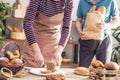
[[68, 71]]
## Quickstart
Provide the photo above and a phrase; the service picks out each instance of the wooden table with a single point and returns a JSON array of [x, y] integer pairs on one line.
[[68, 71]]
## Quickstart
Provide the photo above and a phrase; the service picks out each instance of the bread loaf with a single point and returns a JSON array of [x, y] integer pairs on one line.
[[97, 64], [55, 76], [94, 17], [102, 10], [111, 66], [15, 29], [16, 61], [9, 54], [4, 60], [81, 71], [16, 54]]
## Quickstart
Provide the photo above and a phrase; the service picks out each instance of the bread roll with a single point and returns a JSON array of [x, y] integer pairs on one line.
[[4, 60], [81, 71], [97, 64], [55, 76], [111, 66], [16, 54], [9, 54], [16, 61], [15, 29]]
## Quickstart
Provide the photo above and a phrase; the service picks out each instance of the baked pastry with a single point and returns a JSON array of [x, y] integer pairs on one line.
[[15, 29], [55, 76], [16, 61], [16, 54], [82, 71], [102, 10], [97, 64], [111, 66], [9, 54], [4, 60]]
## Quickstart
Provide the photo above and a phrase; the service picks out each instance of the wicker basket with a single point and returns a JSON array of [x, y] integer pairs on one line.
[[15, 68], [18, 35]]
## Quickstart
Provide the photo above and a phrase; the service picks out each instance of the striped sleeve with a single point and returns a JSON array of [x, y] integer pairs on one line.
[[28, 21], [66, 23]]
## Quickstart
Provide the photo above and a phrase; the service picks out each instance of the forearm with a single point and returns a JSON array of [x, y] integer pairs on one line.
[[35, 47], [115, 22], [60, 49], [66, 28], [29, 19]]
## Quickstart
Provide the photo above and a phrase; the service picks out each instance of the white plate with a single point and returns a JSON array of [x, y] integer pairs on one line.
[[38, 72]]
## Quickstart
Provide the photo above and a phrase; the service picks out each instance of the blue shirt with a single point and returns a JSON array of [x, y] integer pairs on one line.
[[85, 5]]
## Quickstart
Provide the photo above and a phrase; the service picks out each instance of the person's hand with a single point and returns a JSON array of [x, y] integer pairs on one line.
[[100, 25], [38, 58], [84, 36], [57, 56]]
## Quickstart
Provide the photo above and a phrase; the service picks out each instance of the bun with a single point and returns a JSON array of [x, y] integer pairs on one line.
[[97, 64], [4, 60], [55, 76], [81, 71], [111, 66], [9, 54], [16, 54], [16, 61], [15, 29]]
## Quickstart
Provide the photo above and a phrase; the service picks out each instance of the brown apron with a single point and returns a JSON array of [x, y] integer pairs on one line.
[[48, 33]]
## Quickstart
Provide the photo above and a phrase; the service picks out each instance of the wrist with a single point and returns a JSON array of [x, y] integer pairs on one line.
[[35, 47], [60, 49]]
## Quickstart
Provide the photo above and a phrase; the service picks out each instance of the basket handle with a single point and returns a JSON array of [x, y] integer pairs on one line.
[[2, 49]]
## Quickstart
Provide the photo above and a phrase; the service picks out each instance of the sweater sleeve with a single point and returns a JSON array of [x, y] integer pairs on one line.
[[28, 21], [66, 23]]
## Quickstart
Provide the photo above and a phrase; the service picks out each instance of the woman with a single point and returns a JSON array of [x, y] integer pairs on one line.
[[47, 32]]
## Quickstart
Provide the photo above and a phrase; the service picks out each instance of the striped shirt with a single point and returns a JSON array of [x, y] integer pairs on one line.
[[48, 8]]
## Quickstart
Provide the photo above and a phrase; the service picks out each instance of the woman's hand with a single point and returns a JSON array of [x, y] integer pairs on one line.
[[57, 56], [38, 58]]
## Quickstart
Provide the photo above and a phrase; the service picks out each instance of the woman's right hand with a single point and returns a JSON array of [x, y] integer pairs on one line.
[[38, 58]]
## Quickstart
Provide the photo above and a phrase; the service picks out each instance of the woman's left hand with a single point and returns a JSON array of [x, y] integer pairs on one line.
[[57, 56]]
